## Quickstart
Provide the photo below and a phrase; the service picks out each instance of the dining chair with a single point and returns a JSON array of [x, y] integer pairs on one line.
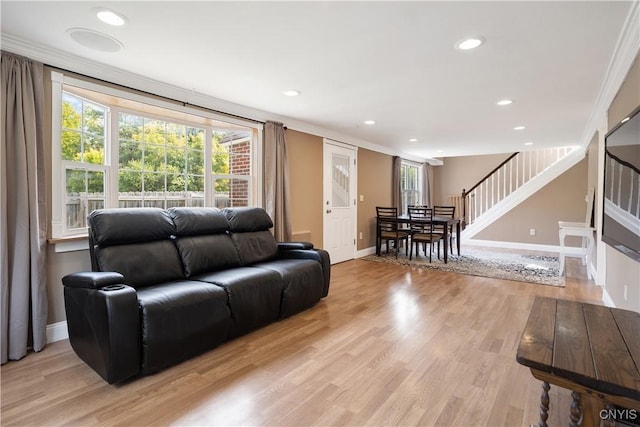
[[388, 229], [448, 212], [422, 231]]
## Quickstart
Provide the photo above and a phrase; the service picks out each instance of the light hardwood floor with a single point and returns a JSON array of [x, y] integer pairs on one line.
[[390, 345]]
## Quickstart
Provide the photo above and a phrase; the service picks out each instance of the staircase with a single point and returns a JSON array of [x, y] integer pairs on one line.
[[512, 182]]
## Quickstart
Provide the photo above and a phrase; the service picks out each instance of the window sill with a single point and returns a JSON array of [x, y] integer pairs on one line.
[[70, 244]]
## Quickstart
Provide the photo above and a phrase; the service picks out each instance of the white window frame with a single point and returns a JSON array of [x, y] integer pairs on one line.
[[59, 229], [418, 189], [248, 178]]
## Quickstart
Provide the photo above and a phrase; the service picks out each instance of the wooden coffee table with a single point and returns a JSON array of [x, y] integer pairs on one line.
[[586, 348]]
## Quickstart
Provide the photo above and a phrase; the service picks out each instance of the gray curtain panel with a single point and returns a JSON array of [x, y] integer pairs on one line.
[[23, 232], [276, 180], [427, 184], [396, 188]]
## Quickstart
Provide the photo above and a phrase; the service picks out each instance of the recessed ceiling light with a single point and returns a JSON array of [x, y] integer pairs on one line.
[[519, 128], [291, 92], [528, 143], [95, 40], [504, 102], [110, 17], [369, 122], [470, 43], [413, 139], [439, 151]]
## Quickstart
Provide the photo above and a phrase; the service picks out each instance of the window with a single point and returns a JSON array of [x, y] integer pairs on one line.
[[160, 163], [83, 135], [231, 168], [409, 186], [115, 149]]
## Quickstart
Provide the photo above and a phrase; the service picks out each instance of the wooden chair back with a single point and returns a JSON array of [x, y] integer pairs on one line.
[[419, 218], [446, 211]]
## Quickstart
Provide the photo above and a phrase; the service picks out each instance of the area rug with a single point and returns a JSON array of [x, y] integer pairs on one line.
[[537, 269]]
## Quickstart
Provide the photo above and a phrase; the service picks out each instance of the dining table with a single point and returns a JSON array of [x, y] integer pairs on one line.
[[446, 223]]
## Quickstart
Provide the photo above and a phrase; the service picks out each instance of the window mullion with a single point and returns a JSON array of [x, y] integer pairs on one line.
[[209, 191], [113, 156]]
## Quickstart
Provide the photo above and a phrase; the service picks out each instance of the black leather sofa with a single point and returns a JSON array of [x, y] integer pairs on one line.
[[169, 284]]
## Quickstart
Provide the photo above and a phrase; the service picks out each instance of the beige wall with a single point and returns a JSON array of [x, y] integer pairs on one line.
[[58, 266], [461, 172], [374, 188], [305, 174], [563, 199], [305, 169], [621, 270]]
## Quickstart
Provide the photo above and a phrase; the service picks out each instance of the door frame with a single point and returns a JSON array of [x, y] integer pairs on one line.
[[354, 188]]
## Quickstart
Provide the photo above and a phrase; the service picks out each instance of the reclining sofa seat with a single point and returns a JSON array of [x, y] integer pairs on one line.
[[167, 285], [253, 294]]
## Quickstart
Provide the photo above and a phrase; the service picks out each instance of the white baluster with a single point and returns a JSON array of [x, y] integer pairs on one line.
[[619, 198], [631, 192]]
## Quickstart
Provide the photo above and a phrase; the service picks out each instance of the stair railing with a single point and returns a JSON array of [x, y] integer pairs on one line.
[[515, 171], [625, 183]]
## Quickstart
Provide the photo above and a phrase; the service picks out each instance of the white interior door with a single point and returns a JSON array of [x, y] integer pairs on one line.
[[339, 205]]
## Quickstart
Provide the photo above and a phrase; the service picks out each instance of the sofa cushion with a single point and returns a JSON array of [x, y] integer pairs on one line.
[[198, 221], [248, 219], [181, 319], [129, 225], [202, 254], [302, 283], [142, 264], [251, 236], [203, 240], [254, 296], [256, 246]]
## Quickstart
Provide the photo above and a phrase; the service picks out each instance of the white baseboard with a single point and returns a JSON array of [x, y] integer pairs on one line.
[[570, 251], [606, 299], [365, 252], [57, 332]]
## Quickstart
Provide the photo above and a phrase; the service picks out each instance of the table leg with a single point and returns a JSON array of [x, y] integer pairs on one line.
[[576, 410], [458, 237], [544, 405], [446, 242]]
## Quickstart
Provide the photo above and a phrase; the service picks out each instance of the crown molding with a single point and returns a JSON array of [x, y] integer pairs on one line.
[[626, 50], [78, 64]]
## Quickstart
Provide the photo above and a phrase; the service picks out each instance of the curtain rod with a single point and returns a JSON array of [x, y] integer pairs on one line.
[[166, 98]]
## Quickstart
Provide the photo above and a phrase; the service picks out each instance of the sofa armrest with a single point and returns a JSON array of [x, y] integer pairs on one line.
[[285, 246], [92, 279], [104, 325], [319, 255]]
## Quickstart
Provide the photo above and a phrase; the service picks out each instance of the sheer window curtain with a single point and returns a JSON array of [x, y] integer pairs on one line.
[[276, 180], [22, 208]]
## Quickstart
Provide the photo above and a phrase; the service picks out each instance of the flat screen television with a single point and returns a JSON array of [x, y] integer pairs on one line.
[[621, 212]]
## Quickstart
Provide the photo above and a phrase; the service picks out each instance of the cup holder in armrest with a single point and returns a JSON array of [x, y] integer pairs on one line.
[[112, 288]]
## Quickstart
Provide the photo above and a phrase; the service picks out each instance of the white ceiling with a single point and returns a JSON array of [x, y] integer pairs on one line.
[[392, 62]]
